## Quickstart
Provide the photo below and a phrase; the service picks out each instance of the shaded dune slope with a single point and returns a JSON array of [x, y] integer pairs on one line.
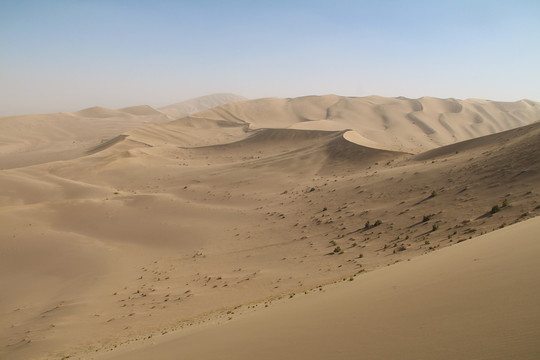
[[520, 140]]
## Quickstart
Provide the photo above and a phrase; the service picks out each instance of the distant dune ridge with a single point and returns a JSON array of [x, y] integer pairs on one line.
[[134, 234], [33, 139], [403, 124], [400, 124]]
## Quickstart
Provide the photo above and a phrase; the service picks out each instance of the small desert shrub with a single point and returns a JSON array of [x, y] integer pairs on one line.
[[377, 223], [337, 250], [435, 227], [505, 203], [402, 247], [426, 218], [495, 209], [433, 194], [367, 225]]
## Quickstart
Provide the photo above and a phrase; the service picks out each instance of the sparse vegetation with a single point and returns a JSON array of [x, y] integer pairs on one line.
[[495, 209], [435, 227], [427, 218], [433, 194], [377, 223], [505, 203]]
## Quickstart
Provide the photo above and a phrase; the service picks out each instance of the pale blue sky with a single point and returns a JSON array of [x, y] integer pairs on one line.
[[65, 55]]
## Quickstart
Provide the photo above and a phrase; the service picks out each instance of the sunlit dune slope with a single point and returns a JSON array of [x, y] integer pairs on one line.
[[477, 300]]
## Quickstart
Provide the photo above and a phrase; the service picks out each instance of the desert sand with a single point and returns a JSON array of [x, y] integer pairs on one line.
[[35, 139], [164, 229], [445, 305]]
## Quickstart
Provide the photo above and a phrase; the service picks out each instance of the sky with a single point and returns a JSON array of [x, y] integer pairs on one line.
[[66, 55]]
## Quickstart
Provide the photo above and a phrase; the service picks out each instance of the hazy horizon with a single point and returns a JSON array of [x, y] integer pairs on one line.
[[69, 55]]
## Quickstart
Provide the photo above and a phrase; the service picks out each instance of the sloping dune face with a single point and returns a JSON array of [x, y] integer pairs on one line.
[[35, 139], [401, 312], [411, 125], [171, 225]]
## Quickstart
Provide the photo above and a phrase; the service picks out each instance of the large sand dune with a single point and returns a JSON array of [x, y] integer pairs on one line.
[[35, 139], [174, 225], [445, 305], [411, 125]]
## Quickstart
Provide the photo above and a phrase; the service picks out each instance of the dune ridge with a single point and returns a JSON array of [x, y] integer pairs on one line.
[[410, 125], [35, 139]]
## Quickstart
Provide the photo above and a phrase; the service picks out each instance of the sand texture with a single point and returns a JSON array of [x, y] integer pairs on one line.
[[166, 229], [35, 139], [445, 305]]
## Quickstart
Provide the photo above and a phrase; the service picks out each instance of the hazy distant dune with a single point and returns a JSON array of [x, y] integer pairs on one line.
[[34, 139], [184, 108]]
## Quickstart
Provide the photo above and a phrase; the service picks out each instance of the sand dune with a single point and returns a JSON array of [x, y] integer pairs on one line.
[[444, 305], [411, 125], [35, 139], [174, 225]]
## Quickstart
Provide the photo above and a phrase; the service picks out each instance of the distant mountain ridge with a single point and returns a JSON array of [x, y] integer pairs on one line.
[[192, 106]]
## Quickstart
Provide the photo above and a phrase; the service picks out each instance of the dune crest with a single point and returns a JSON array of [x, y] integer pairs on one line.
[[35, 139], [411, 125]]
